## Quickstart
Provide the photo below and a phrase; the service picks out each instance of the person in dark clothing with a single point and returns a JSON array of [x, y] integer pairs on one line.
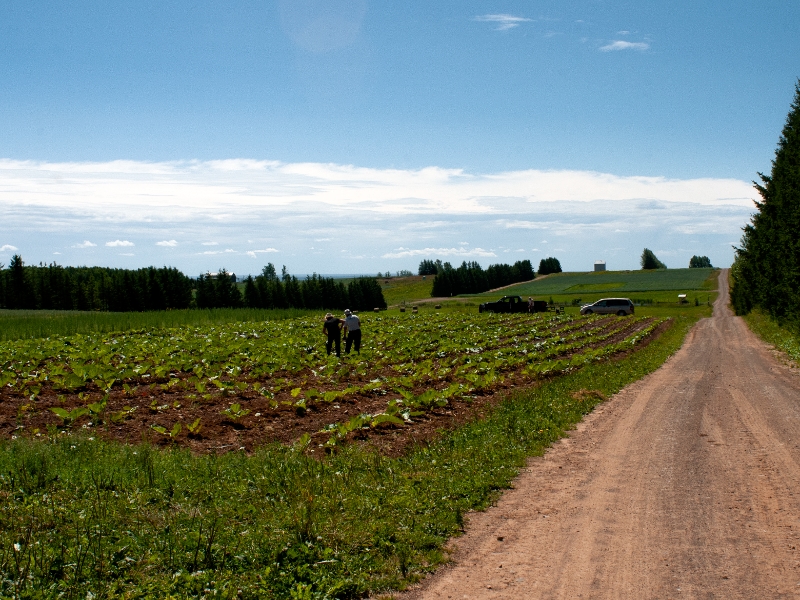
[[333, 328], [352, 326]]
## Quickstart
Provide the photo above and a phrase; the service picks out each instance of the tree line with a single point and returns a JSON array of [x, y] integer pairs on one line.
[[268, 290], [55, 287], [92, 288], [471, 278], [766, 271]]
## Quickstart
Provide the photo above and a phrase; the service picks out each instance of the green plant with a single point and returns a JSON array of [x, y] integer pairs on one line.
[[235, 412], [172, 433], [70, 416], [123, 414], [195, 427]]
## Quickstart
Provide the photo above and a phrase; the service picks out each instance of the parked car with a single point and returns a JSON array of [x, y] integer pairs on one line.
[[609, 306], [512, 304]]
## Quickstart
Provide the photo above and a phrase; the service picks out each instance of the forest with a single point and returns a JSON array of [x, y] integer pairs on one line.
[[54, 287], [471, 278]]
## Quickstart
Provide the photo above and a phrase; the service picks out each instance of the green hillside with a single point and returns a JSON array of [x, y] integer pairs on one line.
[[626, 282]]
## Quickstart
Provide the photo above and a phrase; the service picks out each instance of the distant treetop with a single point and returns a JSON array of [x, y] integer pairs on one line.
[[700, 262], [549, 265], [650, 260]]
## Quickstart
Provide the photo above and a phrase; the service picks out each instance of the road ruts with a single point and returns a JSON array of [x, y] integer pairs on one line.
[[684, 485]]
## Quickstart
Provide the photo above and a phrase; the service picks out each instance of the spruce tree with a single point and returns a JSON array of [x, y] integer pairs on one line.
[[766, 272]]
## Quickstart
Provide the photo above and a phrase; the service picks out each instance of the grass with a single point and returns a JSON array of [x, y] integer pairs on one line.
[[78, 515], [32, 324], [772, 332], [406, 289], [624, 282]]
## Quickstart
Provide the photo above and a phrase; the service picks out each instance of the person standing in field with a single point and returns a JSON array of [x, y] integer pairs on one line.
[[352, 326], [530, 304], [333, 328]]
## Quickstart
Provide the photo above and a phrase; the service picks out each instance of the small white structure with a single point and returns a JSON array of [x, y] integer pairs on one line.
[[599, 265]]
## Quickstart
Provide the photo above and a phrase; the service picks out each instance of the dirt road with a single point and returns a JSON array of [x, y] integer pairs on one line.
[[684, 485]]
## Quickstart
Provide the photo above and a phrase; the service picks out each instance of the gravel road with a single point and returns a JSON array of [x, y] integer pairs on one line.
[[684, 485]]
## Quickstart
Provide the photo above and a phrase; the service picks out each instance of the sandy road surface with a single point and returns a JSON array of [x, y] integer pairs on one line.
[[684, 485]]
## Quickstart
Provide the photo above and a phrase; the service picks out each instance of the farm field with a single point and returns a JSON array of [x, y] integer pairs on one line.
[[241, 385], [254, 466], [79, 514], [30, 324], [625, 282], [405, 289]]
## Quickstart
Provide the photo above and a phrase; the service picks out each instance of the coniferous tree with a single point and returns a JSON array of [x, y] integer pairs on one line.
[[766, 272], [650, 261], [427, 267]]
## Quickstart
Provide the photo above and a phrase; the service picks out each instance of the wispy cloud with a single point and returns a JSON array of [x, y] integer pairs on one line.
[[226, 251], [210, 243], [254, 253], [7, 248], [167, 243], [86, 244], [504, 22], [623, 45], [119, 244], [440, 252]]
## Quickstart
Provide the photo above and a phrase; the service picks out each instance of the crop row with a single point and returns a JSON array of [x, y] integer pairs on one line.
[[417, 363]]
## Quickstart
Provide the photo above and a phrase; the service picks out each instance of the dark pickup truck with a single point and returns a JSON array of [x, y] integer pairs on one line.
[[512, 304]]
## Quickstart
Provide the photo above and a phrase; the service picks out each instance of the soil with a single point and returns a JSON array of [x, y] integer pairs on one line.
[[266, 420], [683, 485]]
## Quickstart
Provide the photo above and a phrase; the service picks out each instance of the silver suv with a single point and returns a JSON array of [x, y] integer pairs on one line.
[[609, 306]]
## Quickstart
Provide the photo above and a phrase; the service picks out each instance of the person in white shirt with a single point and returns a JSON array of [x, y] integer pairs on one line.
[[352, 327]]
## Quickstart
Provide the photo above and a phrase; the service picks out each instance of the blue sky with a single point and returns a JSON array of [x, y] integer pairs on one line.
[[393, 131]]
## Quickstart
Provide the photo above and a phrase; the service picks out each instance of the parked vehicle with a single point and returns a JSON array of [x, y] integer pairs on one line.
[[512, 304], [609, 306]]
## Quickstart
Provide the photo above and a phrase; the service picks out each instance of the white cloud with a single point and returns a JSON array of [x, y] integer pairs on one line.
[[167, 243], [127, 254], [120, 244], [623, 45], [7, 248], [86, 244], [399, 214], [456, 252], [253, 253], [504, 22]]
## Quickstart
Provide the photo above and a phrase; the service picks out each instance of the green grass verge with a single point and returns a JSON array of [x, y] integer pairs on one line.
[[79, 515], [769, 330], [32, 324]]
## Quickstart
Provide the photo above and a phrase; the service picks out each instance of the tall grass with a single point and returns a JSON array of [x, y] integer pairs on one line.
[[79, 515], [32, 324]]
